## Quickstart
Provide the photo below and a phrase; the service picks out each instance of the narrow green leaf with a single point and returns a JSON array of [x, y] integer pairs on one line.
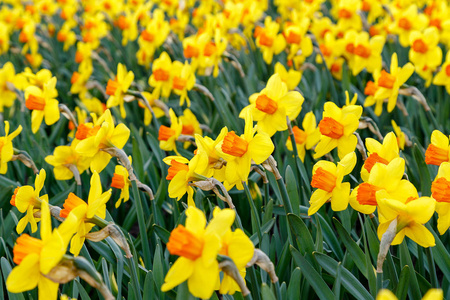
[[402, 288], [266, 292], [293, 291], [301, 233], [291, 186]]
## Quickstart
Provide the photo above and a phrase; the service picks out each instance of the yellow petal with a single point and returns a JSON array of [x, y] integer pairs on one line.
[[203, 279], [47, 288], [180, 271], [420, 234], [195, 221], [25, 276]]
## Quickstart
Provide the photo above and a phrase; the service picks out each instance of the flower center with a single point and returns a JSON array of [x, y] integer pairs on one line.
[[440, 190], [165, 133], [179, 83], [436, 23], [112, 87], [293, 38], [370, 89], [84, 131], [210, 49], [323, 180], [265, 40], [190, 51], [147, 36], [367, 194], [265, 104], [234, 145], [174, 168], [335, 68], [299, 135], [25, 245], [362, 51], [404, 23], [35, 102], [419, 46], [123, 23], [78, 57], [331, 128], [350, 48], [161, 75], [188, 129], [386, 80], [345, 13], [365, 6], [372, 160], [61, 36], [184, 243], [75, 77], [13, 198], [118, 181], [71, 202], [447, 70], [435, 155]]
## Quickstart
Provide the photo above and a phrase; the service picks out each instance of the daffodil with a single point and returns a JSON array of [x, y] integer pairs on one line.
[[96, 206], [168, 136], [240, 151], [410, 219], [406, 21], [43, 104], [337, 127], [147, 113], [402, 138], [432, 294], [424, 49], [183, 80], [389, 84], [440, 191], [121, 181], [8, 80], [306, 138], [237, 246], [443, 76], [347, 15], [197, 247], [269, 40], [272, 105], [191, 126], [6, 147], [386, 177], [160, 79], [439, 149], [117, 88], [327, 178], [379, 153], [102, 135], [291, 78], [181, 172], [27, 200], [35, 257], [65, 158]]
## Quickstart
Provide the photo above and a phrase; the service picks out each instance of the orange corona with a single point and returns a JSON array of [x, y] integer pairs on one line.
[[35, 102], [323, 180], [386, 80], [71, 202], [234, 145], [165, 133], [440, 190], [435, 155], [331, 128], [184, 243], [372, 160], [118, 181], [112, 87], [174, 168], [265, 104], [300, 135], [161, 75], [367, 194], [26, 245]]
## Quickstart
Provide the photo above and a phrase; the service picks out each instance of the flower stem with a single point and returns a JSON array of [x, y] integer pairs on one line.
[[432, 268], [141, 222]]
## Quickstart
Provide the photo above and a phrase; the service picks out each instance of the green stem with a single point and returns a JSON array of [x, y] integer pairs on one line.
[[379, 282], [134, 278], [432, 268], [254, 212], [142, 224], [284, 196]]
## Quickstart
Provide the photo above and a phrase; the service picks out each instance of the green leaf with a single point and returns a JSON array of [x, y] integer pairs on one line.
[[291, 186], [293, 290], [349, 281], [424, 173], [266, 292], [162, 233], [405, 260], [356, 254], [149, 287], [314, 279], [302, 234], [402, 288], [6, 269]]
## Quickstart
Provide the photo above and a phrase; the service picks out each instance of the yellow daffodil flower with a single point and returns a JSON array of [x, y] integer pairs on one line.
[[117, 88], [8, 80], [443, 76], [168, 136], [379, 153], [385, 177], [37, 257], [424, 49], [327, 178], [102, 135], [121, 181], [181, 172], [440, 191], [306, 138], [147, 113], [406, 21], [96, 206], [272, 105], [237, 246], [402, 138], [269, 40], [43, 104], [240, 151], [410, 217], [183, 80], [388, 85], [160, 79], [6, 147], [439, 149], [291, 78], [197, 247], [337, 127], [27, 199], [64, 158]]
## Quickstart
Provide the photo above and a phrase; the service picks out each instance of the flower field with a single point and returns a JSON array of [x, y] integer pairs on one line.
[[230, 149]]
